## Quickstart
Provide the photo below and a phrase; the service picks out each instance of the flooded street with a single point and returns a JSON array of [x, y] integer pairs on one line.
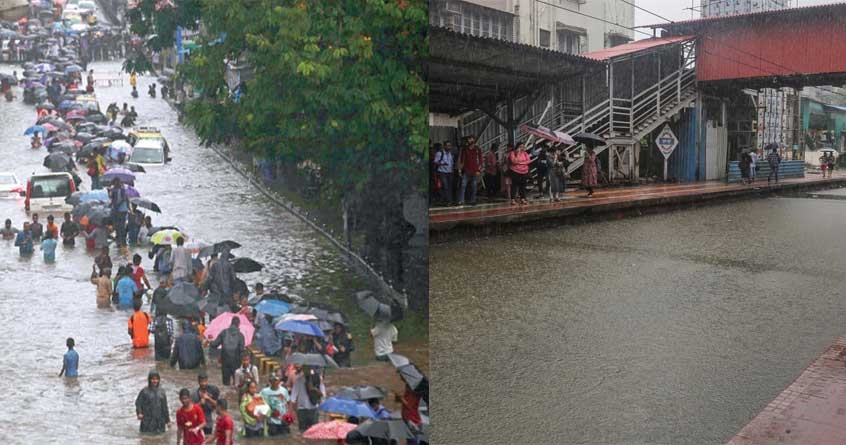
[[674, 328], [43, 304]]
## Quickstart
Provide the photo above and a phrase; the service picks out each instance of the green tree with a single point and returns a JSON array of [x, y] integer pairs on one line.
[[337, 82]]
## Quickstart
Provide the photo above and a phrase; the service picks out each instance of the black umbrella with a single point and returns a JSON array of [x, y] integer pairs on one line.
[[215, 305], [182, 300], [146, 204], [99, 119], [589, 139], [114, 134], [312, 359], [362, 392], [218, 248], [87, 127], [100, 216], [83, 137], [412, 375], [135, 168], [46, 106], [326, 315], [57, 161], [246, 265], [387, 430], [67, 147], [100, 140], [83, 209]]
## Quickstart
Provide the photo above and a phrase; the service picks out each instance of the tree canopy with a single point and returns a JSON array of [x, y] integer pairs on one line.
[[338, 82]]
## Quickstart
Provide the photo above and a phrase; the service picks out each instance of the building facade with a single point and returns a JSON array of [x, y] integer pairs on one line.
[[719, 8], [558, 25]]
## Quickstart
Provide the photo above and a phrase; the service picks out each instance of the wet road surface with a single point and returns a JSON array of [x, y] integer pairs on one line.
[[42, 304], [674, 328]]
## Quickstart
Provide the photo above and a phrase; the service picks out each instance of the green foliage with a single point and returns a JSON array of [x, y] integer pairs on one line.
[[339, 82]]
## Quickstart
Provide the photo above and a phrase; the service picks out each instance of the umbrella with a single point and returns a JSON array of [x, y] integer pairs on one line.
[[121, 173], [66, 104], [45, 106], [57, 162], [72, 69], [301, 317], [97, 117], [325, 314], [79, 113], [388, 430], [368, 302], [214, 307], [146, 204], [9, 78], [131, 192], [398, 360], [246, 265], [99, 215], [67, 147], [114, 133], [312, 359], [182, 300], [355, 408], [274, 308], [74, 198], [300, 327], [589, 139], [166, 237], [218, 248], [334, 430], [362, 392], [411, 375], [75, 118], [547, 134], [43, 67], [49, 127], [195, 245], [95, 195], [83, 136], [135, 168], [35, 129], [223, 321]]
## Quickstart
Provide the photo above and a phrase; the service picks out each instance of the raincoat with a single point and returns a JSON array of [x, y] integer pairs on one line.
[[222, 276], [268, 340], [188, 350], [152, 403]]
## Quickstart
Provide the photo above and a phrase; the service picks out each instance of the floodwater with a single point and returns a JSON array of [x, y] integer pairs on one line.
[[42, 304], [674, 328]]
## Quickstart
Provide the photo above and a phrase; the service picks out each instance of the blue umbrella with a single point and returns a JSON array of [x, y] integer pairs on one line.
[[43, 67], [274, 308], [300, 327], [72, 69], [66, 104], [95, 195], [355, 408], [35, 129]]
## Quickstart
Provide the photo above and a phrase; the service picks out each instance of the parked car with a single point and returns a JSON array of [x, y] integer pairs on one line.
[[46, 193], [10, 185]]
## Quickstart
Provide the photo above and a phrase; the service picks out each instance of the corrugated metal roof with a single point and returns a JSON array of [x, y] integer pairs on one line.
[[787, 12], [633, 47]]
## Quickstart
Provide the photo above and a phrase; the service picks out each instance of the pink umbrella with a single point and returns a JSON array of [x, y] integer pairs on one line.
[[546, 133], [335, 429], [50, 127], [223, 321], [76, 113]]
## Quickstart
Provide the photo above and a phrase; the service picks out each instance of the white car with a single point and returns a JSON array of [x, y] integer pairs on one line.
[[10, 185], [87, 7], [149, 152], [46, 193]]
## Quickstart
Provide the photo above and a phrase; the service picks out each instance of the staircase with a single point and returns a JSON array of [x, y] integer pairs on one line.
[[629, 120]]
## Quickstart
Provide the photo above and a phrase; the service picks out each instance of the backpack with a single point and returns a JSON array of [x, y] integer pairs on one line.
[[162, 335], [230, 342], [313, 388]]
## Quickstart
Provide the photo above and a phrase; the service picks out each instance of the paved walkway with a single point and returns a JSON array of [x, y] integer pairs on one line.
[[611, 199], [811, 411]]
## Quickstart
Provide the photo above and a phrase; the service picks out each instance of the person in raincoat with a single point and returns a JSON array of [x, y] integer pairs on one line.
[[180, 261], [151, 406], [268, 339], [221, 276], [232, 345]]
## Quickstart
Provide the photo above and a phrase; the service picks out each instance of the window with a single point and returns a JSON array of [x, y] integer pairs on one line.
[[570, 41], [544, 38]]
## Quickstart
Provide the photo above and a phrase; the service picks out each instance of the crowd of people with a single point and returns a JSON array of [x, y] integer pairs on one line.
[[456, 172], [750, 163]]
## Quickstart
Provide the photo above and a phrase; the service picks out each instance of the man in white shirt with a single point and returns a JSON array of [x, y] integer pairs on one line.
[[246, 372], [384, 336]]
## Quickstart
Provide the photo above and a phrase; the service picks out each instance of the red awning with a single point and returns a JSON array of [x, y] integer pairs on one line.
[[633, 47]]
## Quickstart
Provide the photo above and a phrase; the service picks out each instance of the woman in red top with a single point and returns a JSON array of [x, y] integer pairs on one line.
[[519, 163], [190, 421]]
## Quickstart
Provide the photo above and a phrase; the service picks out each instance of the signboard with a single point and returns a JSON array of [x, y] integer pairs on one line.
[[666, 141]]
